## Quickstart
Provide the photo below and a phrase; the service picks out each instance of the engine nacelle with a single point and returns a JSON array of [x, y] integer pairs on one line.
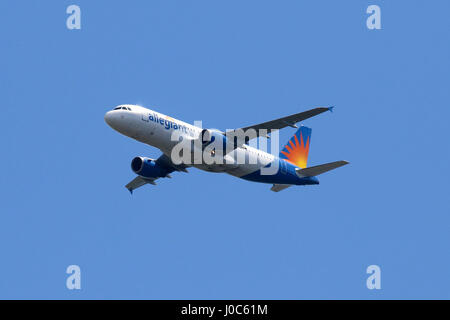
[[147, 168], [211, 135], [228, 141]]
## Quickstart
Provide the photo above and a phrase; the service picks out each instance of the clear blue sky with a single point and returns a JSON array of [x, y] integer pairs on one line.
[[229, 64]]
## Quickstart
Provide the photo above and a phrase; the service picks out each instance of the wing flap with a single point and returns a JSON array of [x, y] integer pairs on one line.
[[280, 187]]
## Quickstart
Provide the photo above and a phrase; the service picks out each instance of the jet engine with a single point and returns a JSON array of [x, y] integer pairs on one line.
[[211, 135], [148, 168], [229, 141]]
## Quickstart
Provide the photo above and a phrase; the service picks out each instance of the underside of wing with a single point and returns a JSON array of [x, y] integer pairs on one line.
[[167, 163], [138, 182]]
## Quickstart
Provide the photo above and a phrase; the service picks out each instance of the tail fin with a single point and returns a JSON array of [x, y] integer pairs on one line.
[[297, 149]]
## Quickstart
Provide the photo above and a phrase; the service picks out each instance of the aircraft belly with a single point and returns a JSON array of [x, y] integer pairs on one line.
[[210, 168], [243, 169]]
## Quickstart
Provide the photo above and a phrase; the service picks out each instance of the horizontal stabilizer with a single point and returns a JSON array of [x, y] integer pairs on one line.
[[279, 187], [316, 170]]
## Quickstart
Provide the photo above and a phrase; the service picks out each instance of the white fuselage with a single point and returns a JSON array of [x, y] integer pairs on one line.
[[156, 129]]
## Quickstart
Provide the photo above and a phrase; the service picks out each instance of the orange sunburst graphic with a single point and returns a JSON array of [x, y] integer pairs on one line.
[[297, 152]]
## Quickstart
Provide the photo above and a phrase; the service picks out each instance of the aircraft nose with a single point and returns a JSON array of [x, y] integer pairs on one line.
[[109, 118]]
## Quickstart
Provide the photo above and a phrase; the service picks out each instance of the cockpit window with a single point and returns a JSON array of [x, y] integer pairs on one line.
[[122, 108]]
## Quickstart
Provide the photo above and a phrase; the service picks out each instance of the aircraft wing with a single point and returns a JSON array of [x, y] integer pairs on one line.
[[163, 161], [138, 182], [288, 121]]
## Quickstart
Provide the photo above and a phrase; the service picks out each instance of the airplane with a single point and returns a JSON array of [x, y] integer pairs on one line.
[[156, 129]]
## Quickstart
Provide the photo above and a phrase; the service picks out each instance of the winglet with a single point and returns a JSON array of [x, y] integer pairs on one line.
[[131, 191], [331, 108]]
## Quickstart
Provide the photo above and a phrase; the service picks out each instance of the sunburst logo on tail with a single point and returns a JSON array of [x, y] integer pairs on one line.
[[295, 151]]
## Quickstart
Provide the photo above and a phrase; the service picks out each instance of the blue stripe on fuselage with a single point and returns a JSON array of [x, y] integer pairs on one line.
[[282, 176]]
